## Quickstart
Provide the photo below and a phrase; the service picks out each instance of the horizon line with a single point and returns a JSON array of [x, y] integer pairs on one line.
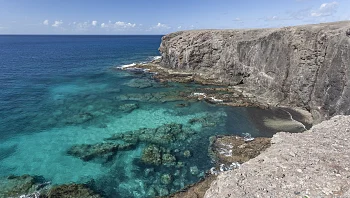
[[82, 34]]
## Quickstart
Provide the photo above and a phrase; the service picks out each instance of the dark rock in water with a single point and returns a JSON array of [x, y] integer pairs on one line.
[[88, 152], [168, 159], [15, 186], [151, 192], [164, 134], [182, 105], [154, 155], [80, 118], [206, 121], [166, 179], [128, 108], [72, 191], [187, 153], [141, 83], [163, 191]]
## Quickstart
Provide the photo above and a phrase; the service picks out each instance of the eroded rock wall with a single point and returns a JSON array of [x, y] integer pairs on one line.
[[304, 66]]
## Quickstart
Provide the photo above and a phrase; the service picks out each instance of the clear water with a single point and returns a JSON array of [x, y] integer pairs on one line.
[[48, 82]]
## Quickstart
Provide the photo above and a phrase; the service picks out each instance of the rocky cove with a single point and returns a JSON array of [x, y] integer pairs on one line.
[[289, 78], [170, 156], [304, 67]]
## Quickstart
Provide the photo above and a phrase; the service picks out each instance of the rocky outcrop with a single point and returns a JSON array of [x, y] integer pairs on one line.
[[304, 66], [310, 164]]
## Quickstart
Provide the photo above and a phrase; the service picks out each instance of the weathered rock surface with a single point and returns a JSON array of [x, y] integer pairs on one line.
[[72, 191], [196, 190], [228, 149], [304, 66], [15, 186], [314, 164]]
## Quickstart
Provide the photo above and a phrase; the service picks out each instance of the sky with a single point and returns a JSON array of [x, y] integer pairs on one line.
[[121, 17]]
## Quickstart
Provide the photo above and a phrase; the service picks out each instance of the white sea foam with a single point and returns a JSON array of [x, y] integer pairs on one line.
[[156, 57], [128, 65]]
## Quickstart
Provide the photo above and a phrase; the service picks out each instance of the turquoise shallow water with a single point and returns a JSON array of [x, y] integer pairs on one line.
[[58, 92]]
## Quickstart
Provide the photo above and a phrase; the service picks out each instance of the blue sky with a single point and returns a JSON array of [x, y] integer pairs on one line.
[[161, 16]]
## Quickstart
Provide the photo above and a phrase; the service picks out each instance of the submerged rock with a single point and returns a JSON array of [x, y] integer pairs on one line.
[[88, 152], [15, 186], [151, 192], [166, 179], [168, 159], [128, 108], [194, 170], [154, 155], [164, 134], [140, 83], [72, 191], [80, 118], [187, 153], [163, 191], [209, 120]]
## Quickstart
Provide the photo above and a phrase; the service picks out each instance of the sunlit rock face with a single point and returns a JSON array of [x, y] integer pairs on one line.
[[305, 66]]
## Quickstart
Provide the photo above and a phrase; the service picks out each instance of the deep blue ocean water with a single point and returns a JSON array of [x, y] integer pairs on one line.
[[60, 91]]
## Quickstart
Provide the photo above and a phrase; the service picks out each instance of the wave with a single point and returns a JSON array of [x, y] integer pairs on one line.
[[150, 59], [127, 65], [156, 57]]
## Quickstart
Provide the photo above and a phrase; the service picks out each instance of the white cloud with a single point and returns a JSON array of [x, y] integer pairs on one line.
[[94, 23], [124, 25], [160, 25], [46, 22], [57, 23], [119, 25], [326, 9], [82, 26], [179, 27]]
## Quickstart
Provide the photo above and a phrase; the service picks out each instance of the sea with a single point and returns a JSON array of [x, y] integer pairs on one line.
[[57, 92]]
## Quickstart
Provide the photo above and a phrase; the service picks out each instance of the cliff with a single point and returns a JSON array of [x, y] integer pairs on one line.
[[310, 164], [304, 66]]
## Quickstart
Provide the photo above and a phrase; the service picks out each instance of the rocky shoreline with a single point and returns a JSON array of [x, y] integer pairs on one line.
[[232, 65], [314, 163], [270, 118], [156, 155], [304, 67], [273, 118]]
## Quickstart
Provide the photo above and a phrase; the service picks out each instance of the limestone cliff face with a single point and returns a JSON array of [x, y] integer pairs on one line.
[[305, 66]]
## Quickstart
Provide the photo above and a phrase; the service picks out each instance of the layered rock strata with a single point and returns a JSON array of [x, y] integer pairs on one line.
[[304, 66]]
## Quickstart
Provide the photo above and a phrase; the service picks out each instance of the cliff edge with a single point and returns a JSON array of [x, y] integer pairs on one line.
[[304, 66], [314, 163]]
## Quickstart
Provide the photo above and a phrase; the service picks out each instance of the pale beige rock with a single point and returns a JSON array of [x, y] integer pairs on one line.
[[304, 66], [315, 163]]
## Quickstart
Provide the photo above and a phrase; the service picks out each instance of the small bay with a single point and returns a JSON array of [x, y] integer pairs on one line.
[[63, 105]]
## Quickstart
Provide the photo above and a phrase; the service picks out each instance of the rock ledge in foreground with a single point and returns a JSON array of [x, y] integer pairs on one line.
[[314, 164]]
